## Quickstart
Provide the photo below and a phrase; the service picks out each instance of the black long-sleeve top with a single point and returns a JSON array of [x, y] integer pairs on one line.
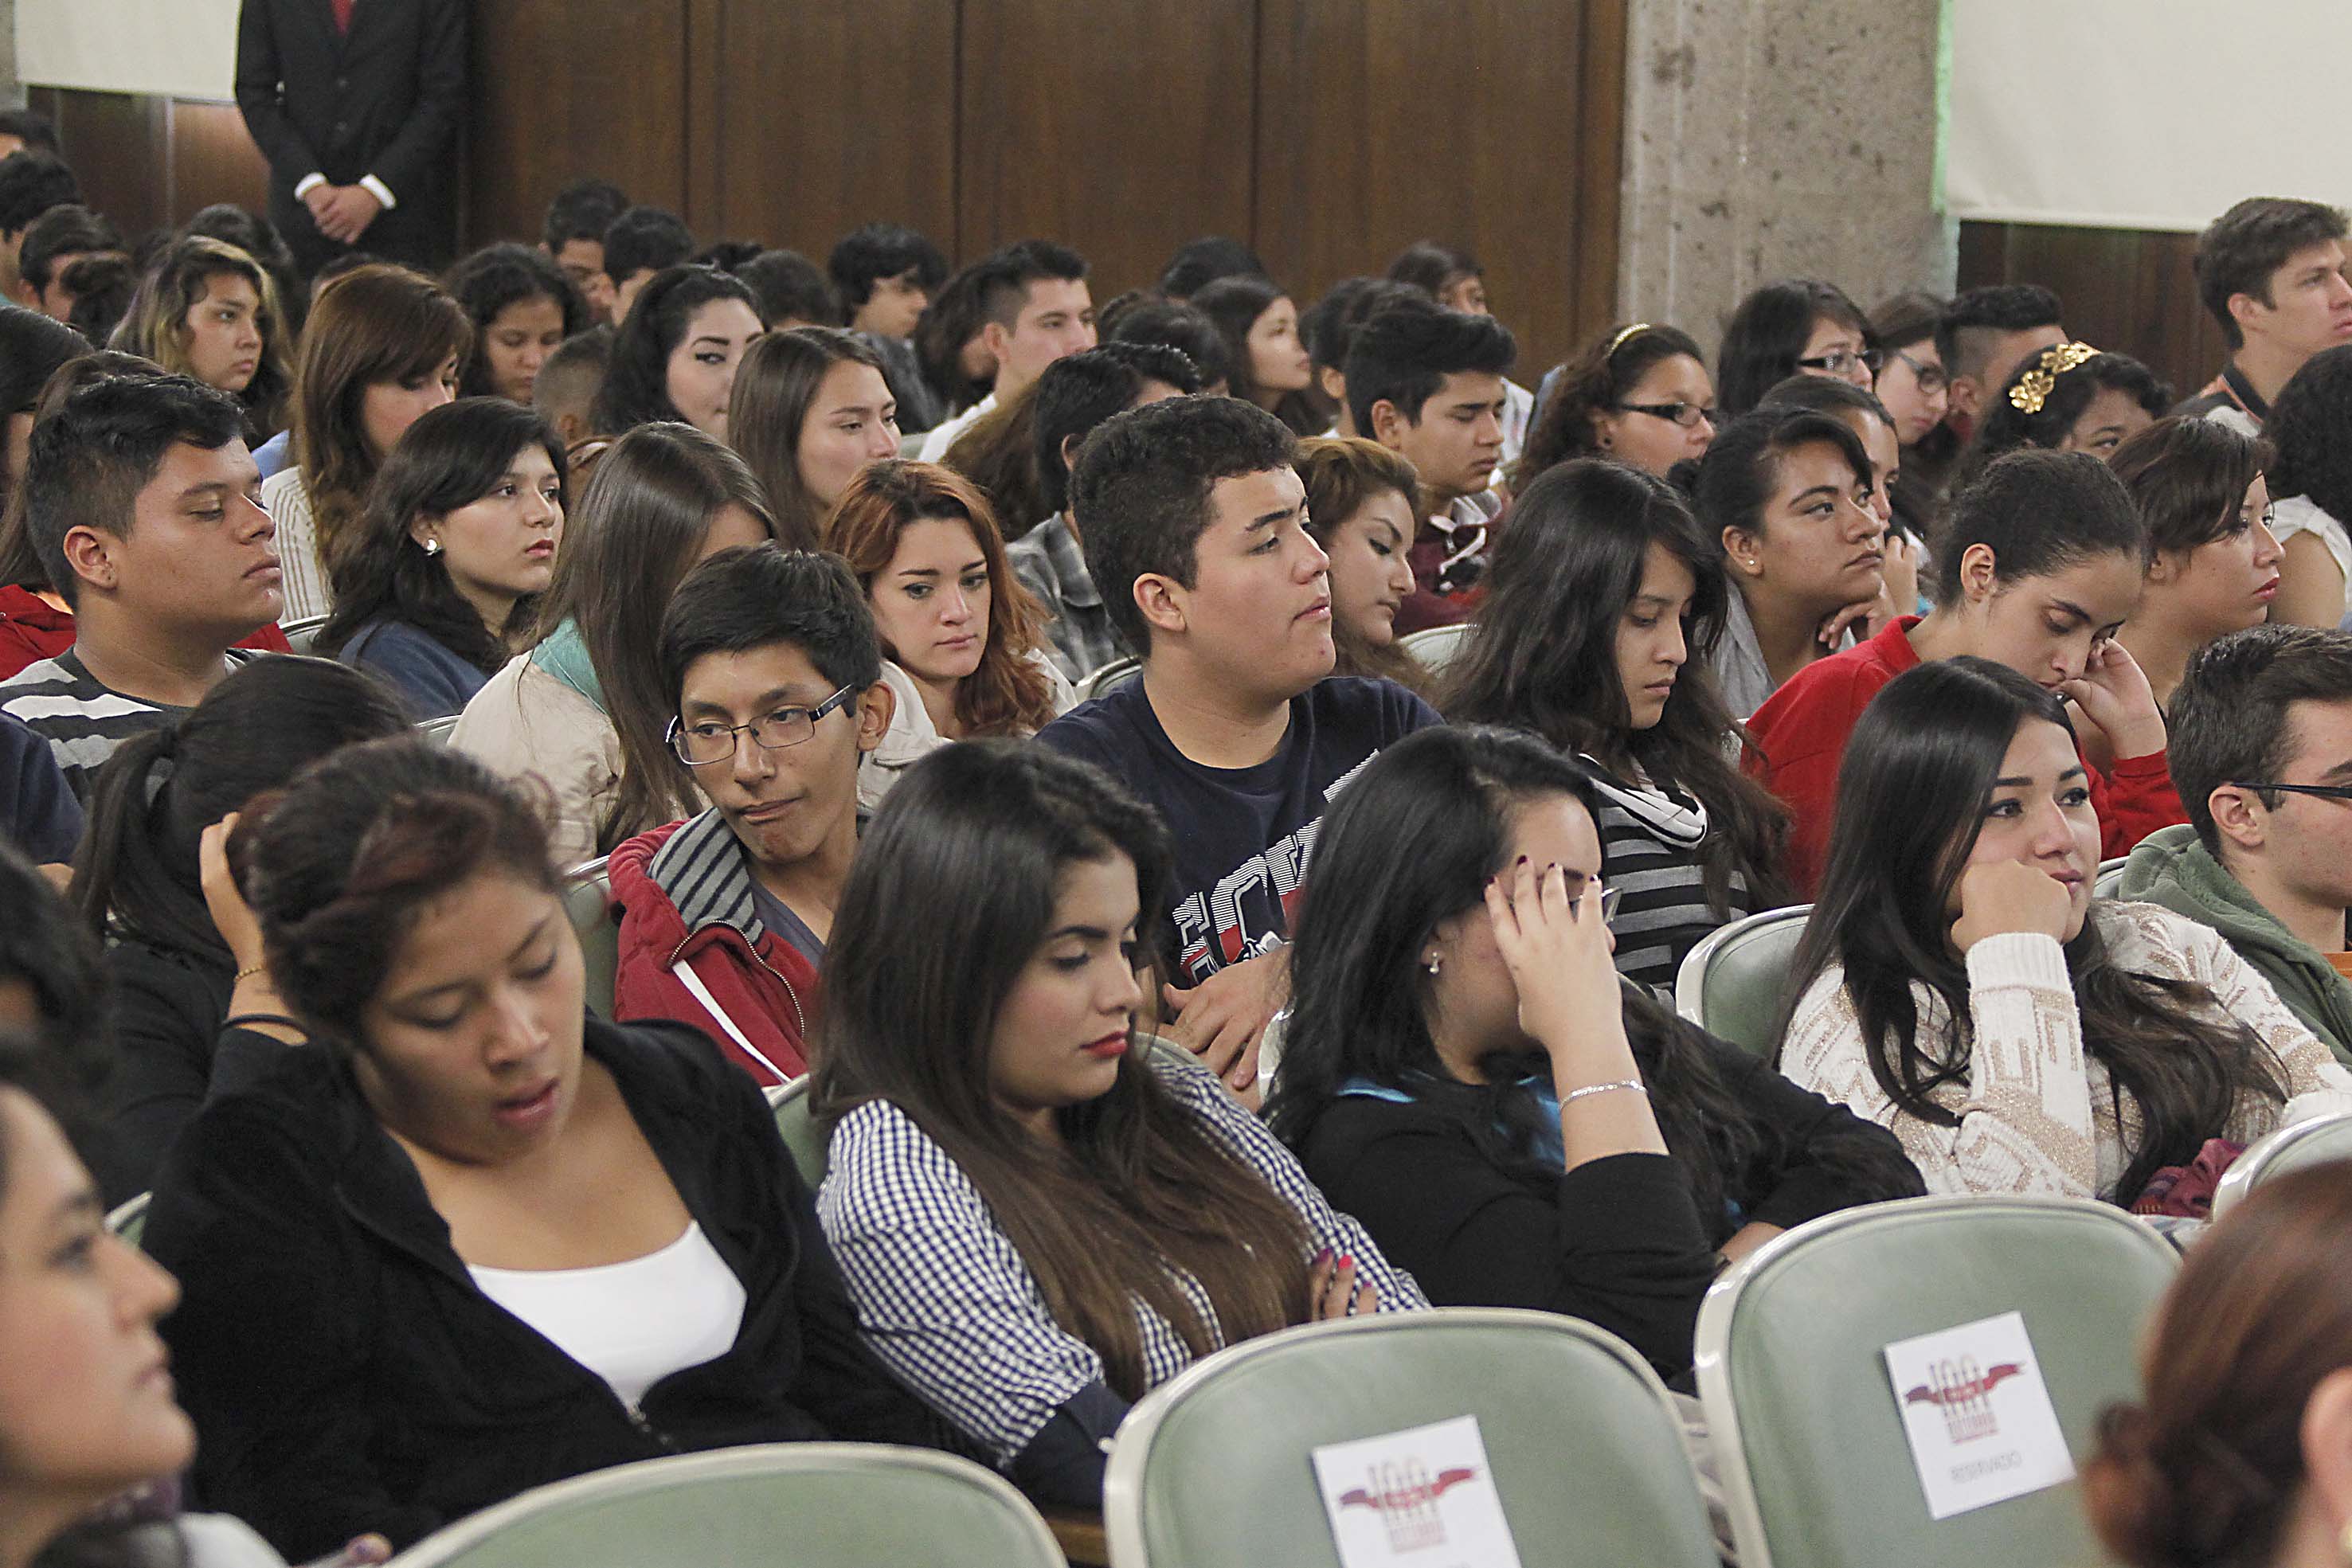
[[1618, 1240], [345, 1373]]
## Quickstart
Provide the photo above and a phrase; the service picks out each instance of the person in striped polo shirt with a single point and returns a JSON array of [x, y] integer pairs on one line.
[[144, 505]]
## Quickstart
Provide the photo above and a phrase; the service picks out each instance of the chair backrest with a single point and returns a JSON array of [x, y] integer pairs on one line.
[[1732, 984], [1435, 647], [1116, 674], [1214, 1466], [790, 1102], [438, 730], [588, 900], [809, 1505], [1815, 1460], [302, 635], [2313, 1143], [2110, 878]]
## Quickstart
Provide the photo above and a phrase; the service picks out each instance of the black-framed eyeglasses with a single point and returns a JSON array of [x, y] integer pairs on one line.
[[701, 745], [1842, 361], [1932, 378], [2325, 791], [1687, 415]]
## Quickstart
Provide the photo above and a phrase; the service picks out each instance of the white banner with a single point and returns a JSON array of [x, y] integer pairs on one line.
[[2142, 114], [178, 49]]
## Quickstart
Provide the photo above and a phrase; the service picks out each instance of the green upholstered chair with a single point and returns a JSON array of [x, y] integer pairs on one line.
[[1116, 674], [781, 1505], [1435, 647], [2110, 877], [128, 1218], [1814, 1458], [2313, 1143], [1731, 985], [588, 900], [1214, 1467], [437, 731], [805, 1143]]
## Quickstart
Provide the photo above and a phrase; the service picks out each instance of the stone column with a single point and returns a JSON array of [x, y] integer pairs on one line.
[[1769, 139], [12, 91]]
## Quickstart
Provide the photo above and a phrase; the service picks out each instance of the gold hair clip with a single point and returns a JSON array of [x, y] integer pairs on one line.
[[2033, 389], [1620, 341]]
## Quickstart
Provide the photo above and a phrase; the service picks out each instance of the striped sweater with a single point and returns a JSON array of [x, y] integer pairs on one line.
[[83, 721]]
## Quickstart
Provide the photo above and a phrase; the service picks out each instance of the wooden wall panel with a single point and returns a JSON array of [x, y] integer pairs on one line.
[[2124, 289], [564, 89], [115, 143], [1122, 129], [832, 116], [212, 158], [1490, 124]]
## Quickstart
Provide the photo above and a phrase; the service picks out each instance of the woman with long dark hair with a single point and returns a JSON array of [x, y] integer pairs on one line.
[[810, 408], [1466, 1073], [1639, 393], [138, 883], [676, 354], [1270, 364], [383, 347], [1801, 324], [1040, 1215], [1601, 602], [441, 580], [207, 309], [964, 653], [1958, 983], [522, 308], [467, 1241], [584, 708]]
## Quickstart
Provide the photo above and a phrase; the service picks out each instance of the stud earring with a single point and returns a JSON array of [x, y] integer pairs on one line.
[[432, 546], [1432, 963]]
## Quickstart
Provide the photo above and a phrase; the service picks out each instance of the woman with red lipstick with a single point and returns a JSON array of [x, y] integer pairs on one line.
[[464, 1243], [2213, 567], [2040, 563], [1602, 600], [1958, 984], [1361, 503], [440, 582], [1040, 1217], [964, 655]]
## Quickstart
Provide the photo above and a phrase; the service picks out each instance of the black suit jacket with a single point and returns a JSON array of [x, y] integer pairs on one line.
[[385, 99]]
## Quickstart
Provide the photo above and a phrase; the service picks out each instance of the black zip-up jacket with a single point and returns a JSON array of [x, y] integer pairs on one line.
[[346, 1375]]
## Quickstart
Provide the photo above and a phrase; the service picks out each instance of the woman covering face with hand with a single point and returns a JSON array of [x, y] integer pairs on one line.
[[1960, 984], [463, 1244]]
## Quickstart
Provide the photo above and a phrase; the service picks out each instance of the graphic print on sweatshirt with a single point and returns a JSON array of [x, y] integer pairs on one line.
[[1248, 912]]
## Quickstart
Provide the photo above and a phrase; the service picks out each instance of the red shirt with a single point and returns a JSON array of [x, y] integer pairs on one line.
[[32, 629], [1798, 738]]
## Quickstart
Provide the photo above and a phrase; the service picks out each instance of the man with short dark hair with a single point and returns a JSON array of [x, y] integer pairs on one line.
[[31, 183], [2271, 270], [566, 386], [1194, 526], [574, 237], [1075, 396], [2261, 749], [1427, 383], [26, 129], [791, 292], [356, 105], [773, 664], [884, 276], [1985, 334], [1035, 309], [145, 508], [1201, 262], [53, 242], [640, 242]]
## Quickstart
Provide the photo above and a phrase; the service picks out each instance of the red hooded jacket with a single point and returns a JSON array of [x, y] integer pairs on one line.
[[32, 629], [685, 896]]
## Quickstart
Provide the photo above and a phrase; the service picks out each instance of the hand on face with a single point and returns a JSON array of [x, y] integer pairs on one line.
[[1558, 952], [232, 917], [2114, 694], [1999, 897]]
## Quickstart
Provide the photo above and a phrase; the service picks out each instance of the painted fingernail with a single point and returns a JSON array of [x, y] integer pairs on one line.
[[1323, 1257], [1346, 1260]]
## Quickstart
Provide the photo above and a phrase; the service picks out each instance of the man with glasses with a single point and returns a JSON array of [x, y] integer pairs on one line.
[[773, 663], [2261, 747]]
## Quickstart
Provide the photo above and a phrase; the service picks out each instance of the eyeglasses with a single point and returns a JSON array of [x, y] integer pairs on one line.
[[1843, 361], [1687, 415], [701, 745], [1932, 378], [1580, 884], [2325, 791]]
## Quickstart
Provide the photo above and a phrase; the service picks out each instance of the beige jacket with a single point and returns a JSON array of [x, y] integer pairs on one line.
[[524, 721]]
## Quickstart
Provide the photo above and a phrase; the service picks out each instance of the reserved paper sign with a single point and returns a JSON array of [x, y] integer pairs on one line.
[[1978, 1415], [1423, 1497]]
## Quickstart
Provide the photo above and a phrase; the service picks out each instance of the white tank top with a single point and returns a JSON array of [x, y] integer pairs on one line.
[[632, 1324]]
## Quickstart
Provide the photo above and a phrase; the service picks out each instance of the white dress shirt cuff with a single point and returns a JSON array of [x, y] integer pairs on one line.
[[380, 190], [308, 184]]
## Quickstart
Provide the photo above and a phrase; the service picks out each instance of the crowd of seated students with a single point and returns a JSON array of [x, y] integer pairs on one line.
[[771, 583]]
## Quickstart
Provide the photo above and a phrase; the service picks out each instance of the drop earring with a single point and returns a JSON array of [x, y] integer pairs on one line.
[[1432, 965]]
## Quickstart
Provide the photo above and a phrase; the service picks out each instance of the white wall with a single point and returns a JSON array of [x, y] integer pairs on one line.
[[182, 49], [2144, 114]]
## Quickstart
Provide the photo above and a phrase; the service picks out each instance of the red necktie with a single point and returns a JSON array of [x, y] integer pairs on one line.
[[343, 15]]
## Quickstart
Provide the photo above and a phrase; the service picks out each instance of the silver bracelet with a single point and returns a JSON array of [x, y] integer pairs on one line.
[[1573, 1095]]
